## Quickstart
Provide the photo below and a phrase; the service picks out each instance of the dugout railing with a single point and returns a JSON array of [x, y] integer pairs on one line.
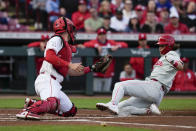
[[88, 55]]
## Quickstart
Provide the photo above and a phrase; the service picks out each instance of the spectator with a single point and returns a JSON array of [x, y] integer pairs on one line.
[[4, 18], [41, 15], [175, 27], [191, 14], [151, 25], [52, 8], [178, 5], [151, 6], [81, 15], [71, 6], [128, 73], [138, 62], [185, 80], [102, 82], [119, 22], [140, 2], [105, 9], [93, 4], [164, 17], [117, 4], [133, 25], [106, 24], [140, 11], [41, 45], [160, 4], [94, 22], [127, 11], [14, 25]]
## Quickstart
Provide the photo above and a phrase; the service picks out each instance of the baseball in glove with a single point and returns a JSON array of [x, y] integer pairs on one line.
[[102, 64]]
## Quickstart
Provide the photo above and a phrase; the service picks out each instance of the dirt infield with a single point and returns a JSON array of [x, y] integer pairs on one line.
[[168, 121]]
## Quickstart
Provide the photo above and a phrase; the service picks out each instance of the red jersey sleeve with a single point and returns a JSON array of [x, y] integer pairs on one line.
[[34, 44], [54, 60], [90, 44]]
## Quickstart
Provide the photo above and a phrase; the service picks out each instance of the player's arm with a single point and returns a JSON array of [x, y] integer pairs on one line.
[[52, 58], [177, 63], [83, 70]]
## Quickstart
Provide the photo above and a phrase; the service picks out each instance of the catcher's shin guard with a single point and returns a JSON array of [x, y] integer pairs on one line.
[[44, 106], [72, 112], [29, 102]]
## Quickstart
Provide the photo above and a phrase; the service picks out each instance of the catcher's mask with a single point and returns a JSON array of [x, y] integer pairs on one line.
[[63, 24], [168, 41]]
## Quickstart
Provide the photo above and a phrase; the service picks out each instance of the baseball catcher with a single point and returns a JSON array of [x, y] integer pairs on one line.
[[56, 65]]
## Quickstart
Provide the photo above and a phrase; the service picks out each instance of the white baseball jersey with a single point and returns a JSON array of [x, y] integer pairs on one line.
[[55, 44], [163, 71], [123, 74]]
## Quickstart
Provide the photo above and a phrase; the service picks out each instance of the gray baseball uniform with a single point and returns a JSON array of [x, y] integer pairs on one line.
[[144, 93]]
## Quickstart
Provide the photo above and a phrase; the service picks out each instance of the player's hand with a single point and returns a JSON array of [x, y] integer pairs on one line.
[[81, 46], [76, 67]]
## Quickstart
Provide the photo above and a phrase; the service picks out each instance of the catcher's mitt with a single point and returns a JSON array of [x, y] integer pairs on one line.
[[102, 64]]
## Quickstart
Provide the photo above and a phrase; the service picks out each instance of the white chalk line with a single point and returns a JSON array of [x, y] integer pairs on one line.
[[122, 123], [80, 119]]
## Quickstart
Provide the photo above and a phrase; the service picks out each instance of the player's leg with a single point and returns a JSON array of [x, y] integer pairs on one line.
[[97, 84], [107, 84], [48, 89], [66, 108], [133, 106], [147, 90]]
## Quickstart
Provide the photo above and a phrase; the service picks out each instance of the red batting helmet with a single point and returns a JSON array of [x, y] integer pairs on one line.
[[63, 24], [168, 41]]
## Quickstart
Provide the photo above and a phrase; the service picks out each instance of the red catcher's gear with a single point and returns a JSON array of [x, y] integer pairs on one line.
[[168, 41], [63, 24], [72, 112], [45, 106], [65, 54]]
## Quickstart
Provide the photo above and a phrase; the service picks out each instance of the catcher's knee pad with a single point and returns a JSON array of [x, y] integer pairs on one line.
[[72, 112], [53, 104]]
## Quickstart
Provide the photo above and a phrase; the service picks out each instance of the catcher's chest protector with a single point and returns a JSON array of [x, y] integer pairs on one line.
[[65, 53]]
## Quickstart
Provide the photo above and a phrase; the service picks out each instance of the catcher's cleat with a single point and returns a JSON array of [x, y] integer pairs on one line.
[[29, 102], [24, 114], [154, 110]]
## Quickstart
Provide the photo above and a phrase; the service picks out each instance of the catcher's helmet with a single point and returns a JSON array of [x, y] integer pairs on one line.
[[63, 24], [168, 41]]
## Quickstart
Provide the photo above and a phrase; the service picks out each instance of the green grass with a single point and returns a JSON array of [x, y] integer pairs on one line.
[[68, 128], [89, 103]]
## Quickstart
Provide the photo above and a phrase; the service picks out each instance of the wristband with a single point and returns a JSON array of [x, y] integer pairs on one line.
[[87, 70], [175, 64]]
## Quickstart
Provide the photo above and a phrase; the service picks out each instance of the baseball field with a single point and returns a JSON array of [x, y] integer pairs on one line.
[[178, 114]]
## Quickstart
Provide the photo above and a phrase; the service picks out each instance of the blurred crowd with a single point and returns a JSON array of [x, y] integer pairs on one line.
[[147, 16]]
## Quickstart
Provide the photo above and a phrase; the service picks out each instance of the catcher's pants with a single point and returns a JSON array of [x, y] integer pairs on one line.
[[101, 84], [46, 86], [143, 93]]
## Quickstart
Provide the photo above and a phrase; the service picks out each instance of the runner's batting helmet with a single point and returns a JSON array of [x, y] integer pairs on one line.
[[168, 41], [63, 24]]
